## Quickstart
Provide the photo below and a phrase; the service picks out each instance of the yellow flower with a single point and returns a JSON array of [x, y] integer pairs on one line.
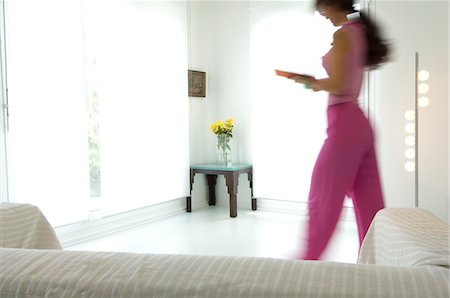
[[213, 127], [223, 128]]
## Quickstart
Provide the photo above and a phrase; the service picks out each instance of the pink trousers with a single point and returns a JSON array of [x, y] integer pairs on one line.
[[346, 165]]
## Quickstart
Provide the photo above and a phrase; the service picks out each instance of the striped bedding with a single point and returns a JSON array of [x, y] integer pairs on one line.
[[24, 226], [410, 237], [53, 273]]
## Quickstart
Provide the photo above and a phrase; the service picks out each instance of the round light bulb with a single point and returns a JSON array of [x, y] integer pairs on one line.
[[410, 166], [410, 140], [423, 75], [410, 153], [410, 127], [424, 101], [410, 115], [423, 88]]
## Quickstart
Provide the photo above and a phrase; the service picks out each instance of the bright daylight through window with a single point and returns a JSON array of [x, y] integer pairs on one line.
[[92, 102]]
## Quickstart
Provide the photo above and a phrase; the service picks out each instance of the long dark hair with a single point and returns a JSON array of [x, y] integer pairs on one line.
[[378, 49]]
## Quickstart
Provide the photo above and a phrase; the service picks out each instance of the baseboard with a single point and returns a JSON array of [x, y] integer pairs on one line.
[[291, 207], [88, 230], [300, 208]]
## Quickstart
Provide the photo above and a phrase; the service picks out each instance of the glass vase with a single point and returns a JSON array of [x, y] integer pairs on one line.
[[224, 150]]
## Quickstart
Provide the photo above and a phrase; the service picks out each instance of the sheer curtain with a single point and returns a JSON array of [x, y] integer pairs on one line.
[[48, 132], [289, 121], [140, 72], [98, 105]]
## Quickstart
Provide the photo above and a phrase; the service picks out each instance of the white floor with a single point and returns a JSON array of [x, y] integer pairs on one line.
[[211, 231]]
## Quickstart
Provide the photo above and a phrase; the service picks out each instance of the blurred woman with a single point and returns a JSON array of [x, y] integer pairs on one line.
[[347, 163]]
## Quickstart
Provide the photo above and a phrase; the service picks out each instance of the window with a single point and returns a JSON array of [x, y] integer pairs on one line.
[[98, 105]]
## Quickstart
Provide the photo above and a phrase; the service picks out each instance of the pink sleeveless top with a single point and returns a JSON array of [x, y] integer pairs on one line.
[[355, 61]]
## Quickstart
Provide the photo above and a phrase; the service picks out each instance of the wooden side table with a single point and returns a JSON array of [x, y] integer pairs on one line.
[[231, 174]]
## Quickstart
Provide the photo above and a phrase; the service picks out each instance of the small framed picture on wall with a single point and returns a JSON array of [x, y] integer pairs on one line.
[[197, 83]]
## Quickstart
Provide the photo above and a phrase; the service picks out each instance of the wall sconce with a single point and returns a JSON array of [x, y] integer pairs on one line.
[[412, 125]]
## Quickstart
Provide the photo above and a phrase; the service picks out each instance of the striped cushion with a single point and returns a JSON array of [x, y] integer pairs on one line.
[[53, 273], [410, 237], [24, 226], [401, 237]]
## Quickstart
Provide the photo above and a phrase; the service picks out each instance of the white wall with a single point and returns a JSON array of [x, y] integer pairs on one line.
[[220, 46], [3, 122], [448, 127], [412, 26]]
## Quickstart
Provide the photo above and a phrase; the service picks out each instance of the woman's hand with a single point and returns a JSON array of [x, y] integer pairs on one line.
[[310, 83]]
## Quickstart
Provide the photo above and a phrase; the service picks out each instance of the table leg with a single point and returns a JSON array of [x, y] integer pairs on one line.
[[254, 206], [188, 199], [232, 180], [212, 189], [250, 180], [188, 204]]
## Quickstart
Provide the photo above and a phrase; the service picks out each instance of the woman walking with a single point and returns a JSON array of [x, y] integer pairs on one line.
[[346, 164]]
